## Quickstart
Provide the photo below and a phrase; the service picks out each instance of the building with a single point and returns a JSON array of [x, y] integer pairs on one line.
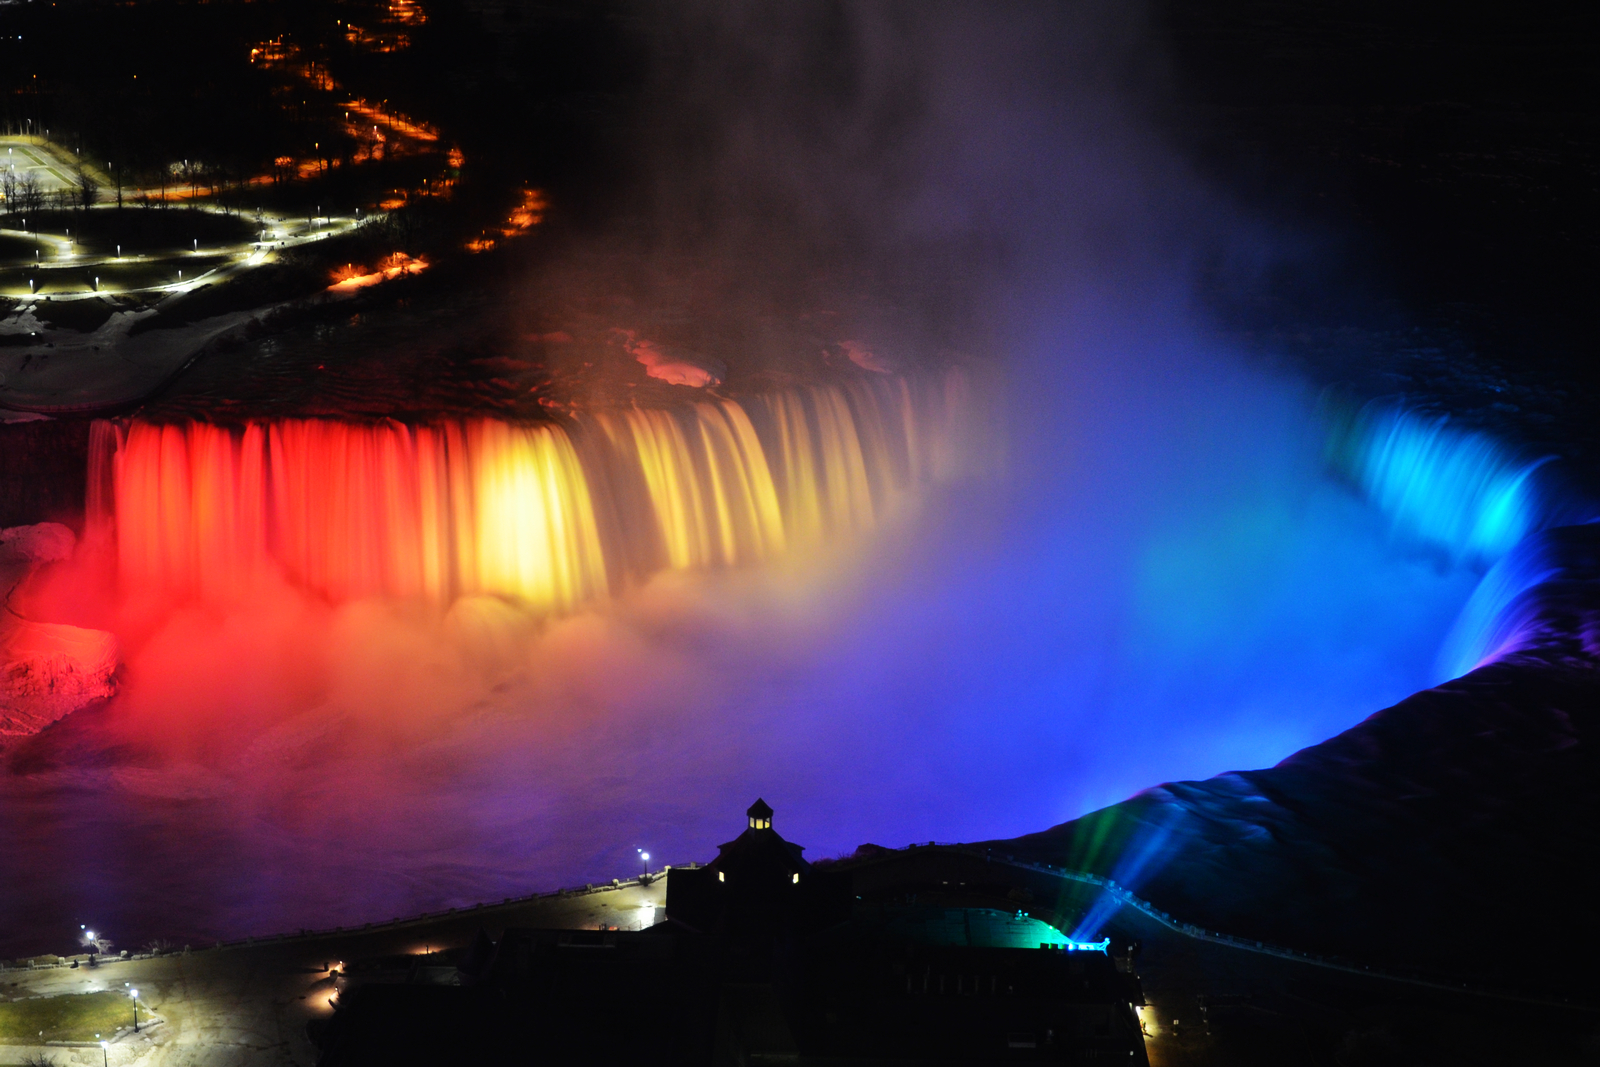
[[764, 958]]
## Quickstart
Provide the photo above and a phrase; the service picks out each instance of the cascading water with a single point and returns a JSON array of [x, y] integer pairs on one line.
[[1440, 483], [352, 511], [548, 516], [331, 669], [1460, 490]]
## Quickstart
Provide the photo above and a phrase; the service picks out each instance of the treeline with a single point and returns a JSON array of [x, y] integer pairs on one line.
[[23, 194]]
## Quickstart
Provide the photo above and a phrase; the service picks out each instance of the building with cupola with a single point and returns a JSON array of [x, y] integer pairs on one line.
[[764, 958]]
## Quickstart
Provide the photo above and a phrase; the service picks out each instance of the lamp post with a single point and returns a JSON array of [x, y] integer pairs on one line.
[[133, 995], [105, 1056]]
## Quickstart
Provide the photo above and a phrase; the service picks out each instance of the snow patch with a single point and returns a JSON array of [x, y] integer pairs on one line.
[[674, 366]]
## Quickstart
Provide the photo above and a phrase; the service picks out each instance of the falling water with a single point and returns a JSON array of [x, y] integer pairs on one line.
[[1463, 491], [1440, 483], [551, 516]]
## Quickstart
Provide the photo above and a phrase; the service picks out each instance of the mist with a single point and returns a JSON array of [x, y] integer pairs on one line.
[[1161, 581]]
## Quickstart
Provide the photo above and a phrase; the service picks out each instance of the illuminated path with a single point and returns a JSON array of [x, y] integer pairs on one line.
[[248, 1002], [67, 372]]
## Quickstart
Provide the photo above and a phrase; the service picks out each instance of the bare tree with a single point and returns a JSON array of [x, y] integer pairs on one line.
[[86, 188], [30, 194], [404, 228]]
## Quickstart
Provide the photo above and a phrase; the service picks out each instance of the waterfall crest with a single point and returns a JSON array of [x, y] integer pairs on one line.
[[1440, 483], [553, 516]]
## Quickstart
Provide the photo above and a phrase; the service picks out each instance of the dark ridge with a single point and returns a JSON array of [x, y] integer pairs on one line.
[[1454, 832], [43, 471]]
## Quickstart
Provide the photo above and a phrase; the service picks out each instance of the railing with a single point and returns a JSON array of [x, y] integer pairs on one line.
[[1127, 899]]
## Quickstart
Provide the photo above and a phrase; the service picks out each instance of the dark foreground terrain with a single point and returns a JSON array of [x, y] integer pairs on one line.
[[1449, 839]]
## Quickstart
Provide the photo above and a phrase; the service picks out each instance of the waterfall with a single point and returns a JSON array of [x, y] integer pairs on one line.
[[1439, 483], [1482, 501], [553, 516]]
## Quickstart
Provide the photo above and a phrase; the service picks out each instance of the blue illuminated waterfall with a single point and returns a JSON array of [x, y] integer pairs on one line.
[[1462, 491], [1440, 483]]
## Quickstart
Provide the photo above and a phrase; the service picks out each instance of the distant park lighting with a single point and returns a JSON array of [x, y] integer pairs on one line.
[[197, 244]]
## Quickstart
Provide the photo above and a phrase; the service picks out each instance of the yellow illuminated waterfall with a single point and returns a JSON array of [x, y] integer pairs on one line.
[[553, 516]]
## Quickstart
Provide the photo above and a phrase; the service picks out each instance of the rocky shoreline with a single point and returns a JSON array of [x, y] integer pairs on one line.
[[48, 670]]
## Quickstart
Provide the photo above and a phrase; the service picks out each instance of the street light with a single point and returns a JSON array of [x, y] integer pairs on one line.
[[105, 1057], [133, 994]]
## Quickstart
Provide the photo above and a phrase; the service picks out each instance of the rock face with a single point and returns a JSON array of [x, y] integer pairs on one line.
[[45, 542], [47, 670], [1454, 832]]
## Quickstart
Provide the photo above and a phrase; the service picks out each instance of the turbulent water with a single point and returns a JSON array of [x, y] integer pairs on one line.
[[378, 668]]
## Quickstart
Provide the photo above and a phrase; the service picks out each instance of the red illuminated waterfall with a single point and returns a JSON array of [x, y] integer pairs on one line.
[[552, 516]]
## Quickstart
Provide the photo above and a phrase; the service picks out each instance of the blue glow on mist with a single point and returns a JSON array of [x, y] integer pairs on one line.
[[1170, 586]]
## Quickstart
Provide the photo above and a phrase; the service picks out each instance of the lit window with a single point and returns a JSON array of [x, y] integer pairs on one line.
[[797, 878], [721, 877]]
